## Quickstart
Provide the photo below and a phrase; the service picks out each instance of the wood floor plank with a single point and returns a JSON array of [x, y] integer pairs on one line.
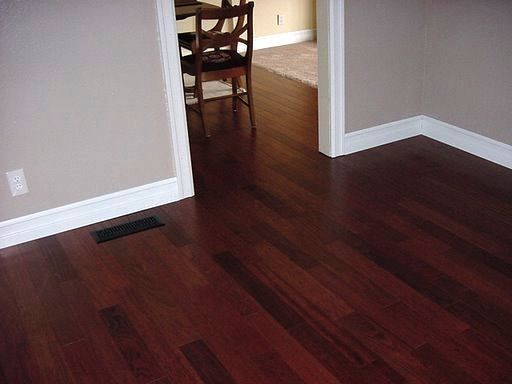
[[227, 288], [209, 368], [81, 302], [328, 354], [494, 359], [84, 364], [478, 239], [47, 276], [14, 339], [266, 297], [440, 369], [276, 370], [103, 276], [142, 363], [291, 350], [480, 322], [293, 252], [38, 354], [58, 262], [299, 285], [465, 358], [387, 347], [439, 319], [470, 250], [468, 272]]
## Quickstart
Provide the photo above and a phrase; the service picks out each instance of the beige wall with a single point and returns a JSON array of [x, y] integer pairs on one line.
[[468, 77], [82, 103], [299, 15], [384, 61]]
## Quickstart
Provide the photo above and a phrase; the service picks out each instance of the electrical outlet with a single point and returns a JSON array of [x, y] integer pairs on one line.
[[280, 19], [17, 182]]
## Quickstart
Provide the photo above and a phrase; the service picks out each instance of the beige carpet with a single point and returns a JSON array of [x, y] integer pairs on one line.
[[294, 61]]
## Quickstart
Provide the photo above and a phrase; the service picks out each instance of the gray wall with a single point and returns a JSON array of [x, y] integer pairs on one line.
[[384, 48], [468, 77], [450, 60], [82, 103]]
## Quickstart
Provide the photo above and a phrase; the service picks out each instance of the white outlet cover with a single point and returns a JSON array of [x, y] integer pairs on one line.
[[17, 182]]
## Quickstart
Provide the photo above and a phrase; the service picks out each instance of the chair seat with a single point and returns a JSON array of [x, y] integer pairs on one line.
[[186, 39], [216, 60]]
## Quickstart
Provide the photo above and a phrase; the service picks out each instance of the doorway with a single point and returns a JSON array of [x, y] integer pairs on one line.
[[331, 87]]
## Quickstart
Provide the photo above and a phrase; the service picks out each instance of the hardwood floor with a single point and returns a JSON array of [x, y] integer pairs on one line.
[[393, 265]]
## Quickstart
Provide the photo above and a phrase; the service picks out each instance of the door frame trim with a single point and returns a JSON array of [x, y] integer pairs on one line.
[[177, 116], [331, 76]]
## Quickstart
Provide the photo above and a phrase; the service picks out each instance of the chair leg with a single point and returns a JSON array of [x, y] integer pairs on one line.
[[200, 103], [252, 114], [234, 90], [184, 88]]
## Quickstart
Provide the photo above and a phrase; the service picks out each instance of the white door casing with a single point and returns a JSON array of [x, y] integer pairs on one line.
[[331, 76], [177, 117]]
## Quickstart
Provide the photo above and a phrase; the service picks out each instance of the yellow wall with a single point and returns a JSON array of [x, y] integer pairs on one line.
[[298, 15]]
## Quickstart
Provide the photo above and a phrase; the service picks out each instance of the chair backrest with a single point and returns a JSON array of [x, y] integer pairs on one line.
[[211, 39], [227, 4]]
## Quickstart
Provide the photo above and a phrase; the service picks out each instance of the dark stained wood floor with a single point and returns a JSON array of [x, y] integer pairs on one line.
[[389, 266]]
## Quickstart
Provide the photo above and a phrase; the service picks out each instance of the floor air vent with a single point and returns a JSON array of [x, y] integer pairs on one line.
[[126, 229]]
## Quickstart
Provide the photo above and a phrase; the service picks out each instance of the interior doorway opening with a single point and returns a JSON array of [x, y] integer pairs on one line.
[[331, 88]]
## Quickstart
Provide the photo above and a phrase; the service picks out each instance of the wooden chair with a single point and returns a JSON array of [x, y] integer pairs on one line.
[[187, 40], [216, 57]]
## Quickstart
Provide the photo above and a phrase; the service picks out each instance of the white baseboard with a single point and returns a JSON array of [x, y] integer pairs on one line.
[[284, 39], [56, 220], [381, 134], [478, 145]]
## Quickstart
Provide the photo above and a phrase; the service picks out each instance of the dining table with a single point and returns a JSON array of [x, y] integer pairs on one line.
[[188, 8]]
